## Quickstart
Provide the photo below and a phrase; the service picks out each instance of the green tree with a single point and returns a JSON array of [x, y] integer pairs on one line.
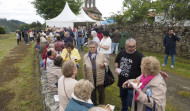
[[51, 8], [2, 30], [137, 10]]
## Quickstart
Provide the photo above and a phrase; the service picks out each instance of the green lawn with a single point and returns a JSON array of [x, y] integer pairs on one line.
[[26, 86], [7, 44]]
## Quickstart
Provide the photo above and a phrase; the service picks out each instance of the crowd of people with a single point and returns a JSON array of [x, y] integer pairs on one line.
[[60, 49]]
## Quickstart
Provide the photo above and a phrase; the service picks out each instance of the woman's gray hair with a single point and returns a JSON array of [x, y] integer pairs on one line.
[[83, 89], [93, 42], [51, 46], [130, 40], [94, 34]]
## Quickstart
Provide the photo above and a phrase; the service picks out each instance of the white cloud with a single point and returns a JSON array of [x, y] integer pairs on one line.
[[23, 10]]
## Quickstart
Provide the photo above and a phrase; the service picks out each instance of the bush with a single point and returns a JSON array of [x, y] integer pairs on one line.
[[2, 30]]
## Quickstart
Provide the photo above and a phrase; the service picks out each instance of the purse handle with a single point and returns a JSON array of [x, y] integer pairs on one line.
[[64, 88]]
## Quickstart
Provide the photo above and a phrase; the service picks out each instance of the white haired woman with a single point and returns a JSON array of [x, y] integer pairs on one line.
[[66, 83], [94, 64], [94, 37], [80, 100], [152, 93]]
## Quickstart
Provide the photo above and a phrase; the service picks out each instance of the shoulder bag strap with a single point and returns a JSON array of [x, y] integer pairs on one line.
[[154, 106], [64, 88]]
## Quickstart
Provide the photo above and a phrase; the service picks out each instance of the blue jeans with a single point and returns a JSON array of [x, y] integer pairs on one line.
[[126, 96], [114, 45], [80, 43], [166, 59]]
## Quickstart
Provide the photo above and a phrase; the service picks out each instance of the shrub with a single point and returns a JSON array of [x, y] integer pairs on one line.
[[2, 30]]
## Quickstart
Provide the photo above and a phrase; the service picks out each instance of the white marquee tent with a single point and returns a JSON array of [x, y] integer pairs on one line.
[[85, 18], [67, 18]]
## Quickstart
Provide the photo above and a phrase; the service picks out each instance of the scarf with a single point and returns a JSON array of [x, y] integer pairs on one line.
[[144, 80], [92, 56]]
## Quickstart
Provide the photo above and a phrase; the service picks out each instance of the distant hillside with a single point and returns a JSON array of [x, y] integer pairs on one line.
[[10, 25]]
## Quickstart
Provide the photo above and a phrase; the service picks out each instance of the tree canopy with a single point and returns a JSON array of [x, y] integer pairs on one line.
[[138, 10], [51, 8]]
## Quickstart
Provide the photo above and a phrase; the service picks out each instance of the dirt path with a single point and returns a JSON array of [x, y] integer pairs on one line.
[[8, 72], [174, 83]]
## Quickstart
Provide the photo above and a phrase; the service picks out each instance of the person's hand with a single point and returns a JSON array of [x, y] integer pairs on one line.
[[138, 90], [116, 71], [126, 84], [164, 75], [102, 65], [67, 55]]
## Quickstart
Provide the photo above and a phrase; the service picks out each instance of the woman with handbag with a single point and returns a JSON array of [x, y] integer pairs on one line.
[[149, 88], [94, 64], [66, 83]]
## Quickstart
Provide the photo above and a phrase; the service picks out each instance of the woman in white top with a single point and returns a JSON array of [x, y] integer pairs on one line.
[[105, 44], [94, 37]]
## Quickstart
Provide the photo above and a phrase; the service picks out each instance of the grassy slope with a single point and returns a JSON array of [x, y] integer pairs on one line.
[[7, 44], [26, 85]]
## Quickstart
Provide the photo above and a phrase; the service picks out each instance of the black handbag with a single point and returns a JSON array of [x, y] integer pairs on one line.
[[109, 78]]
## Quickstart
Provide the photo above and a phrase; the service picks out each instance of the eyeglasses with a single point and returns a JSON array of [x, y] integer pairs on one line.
[[131, 47]]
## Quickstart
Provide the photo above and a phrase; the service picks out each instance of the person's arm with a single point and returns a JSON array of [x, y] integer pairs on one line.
[[77, 55], [164, 41], [63, 55], [158, 95], [104, 47], [176, 37], [105, 62], [84, 68]]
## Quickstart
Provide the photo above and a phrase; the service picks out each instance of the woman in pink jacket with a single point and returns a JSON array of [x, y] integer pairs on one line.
[[149, 88]]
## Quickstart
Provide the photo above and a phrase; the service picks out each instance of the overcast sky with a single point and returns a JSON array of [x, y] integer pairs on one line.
[[24, 11]]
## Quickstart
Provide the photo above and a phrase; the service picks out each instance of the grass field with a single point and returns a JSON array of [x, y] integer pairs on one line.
[[7, 44], [26, 85]]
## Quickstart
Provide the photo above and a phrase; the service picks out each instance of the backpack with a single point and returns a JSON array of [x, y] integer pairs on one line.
[[79, 33]]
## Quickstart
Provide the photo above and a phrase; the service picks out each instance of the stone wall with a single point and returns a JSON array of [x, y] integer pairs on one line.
[[47, 95], [150, 38]]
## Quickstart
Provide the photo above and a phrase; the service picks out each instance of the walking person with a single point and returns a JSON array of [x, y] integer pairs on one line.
[[115, 41], [79, 35], [127, 66], [17, 37], [170, 46], [26, 38], [19, 33], [94, 64]]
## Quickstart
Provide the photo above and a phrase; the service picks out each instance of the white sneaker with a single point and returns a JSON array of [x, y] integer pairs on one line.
[[172, 66], [163, 64], [27, 44]]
